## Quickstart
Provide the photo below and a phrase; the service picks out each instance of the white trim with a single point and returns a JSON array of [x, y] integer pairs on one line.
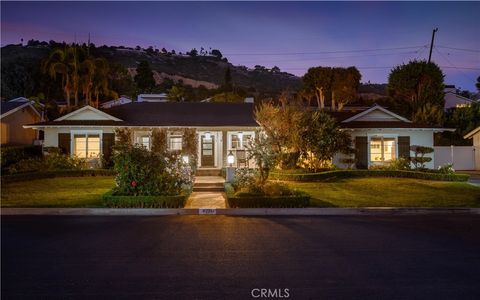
[[471, 133], [407, 129], [88, 107], [373, 108], [21, 107], [232, 132], [369, 137]]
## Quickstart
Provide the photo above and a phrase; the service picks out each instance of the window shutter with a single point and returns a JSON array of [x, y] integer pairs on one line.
[[361, 152], [404, 147], [64, 142], [108, 140]]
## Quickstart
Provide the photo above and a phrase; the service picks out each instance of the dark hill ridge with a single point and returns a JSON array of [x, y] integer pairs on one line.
[[200, 70]]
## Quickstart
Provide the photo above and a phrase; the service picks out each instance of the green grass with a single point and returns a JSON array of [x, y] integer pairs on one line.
[[57, 192], [390, 192]]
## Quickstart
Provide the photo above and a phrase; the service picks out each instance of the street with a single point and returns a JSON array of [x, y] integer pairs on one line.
[[222, 257]]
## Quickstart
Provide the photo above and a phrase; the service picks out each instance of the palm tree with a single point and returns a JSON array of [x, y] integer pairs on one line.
[[57, 63]]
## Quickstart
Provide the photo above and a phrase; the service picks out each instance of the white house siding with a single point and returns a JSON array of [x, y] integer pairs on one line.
[[417, 137], [51, 134]]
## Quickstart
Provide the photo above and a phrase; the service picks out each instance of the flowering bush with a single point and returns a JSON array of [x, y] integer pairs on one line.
[[141, 172], [244, 177], [446, 169]]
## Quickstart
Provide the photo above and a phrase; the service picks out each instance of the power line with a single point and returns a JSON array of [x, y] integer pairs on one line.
[[455, 67], [390, 67], [323, 52], [460, 49]]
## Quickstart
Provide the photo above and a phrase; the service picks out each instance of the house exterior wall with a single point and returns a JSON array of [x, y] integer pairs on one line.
[[51, 133], [12, 131], [417, 137], [476, 145]]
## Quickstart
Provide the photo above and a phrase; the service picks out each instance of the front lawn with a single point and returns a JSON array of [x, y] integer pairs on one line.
[[57, 192], [390, 192]]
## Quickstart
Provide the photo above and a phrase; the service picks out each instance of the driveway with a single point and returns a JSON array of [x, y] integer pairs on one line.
[[221, 257], [474, 177]]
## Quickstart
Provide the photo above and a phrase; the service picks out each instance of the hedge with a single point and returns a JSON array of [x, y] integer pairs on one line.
[[13, 154], [342, 174], [262, 201], [114, 201], [58, 173]]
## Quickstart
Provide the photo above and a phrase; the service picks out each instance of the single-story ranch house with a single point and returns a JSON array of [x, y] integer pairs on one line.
[[14, 114], [223, 128]]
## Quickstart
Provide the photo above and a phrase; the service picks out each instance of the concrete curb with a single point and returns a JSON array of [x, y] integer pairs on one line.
[[368, 211]]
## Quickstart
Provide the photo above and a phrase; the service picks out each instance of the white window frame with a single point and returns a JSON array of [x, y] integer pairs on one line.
[[230, 135], [138, 135], [86, 133], [382, 136], [174, 135]]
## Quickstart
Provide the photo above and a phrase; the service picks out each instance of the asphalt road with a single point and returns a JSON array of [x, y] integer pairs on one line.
[[220, 257]]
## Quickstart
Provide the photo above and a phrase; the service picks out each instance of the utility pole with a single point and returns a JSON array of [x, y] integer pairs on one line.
[[431, 44]]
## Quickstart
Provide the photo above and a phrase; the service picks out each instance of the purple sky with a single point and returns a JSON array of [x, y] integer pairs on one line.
[[293, 36]]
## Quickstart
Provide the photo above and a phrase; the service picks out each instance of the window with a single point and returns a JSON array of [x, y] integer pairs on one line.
[[86, 145], [382, 149], [236, 143], [145, 141], [175, 142]]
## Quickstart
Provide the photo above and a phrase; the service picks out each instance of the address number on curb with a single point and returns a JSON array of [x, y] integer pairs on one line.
[[207, 211]]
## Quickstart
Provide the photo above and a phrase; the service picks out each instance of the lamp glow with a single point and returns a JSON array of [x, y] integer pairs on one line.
[[230, 158], [240, 135], [185, 159], [208, 135]]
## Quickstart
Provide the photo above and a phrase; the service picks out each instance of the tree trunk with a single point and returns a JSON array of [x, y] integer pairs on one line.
[[333, 100]]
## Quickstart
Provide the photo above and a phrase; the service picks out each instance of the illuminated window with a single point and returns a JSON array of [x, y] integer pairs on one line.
[[145, 141], [236, 143], [175, 142], [86, 145], [382, 149]]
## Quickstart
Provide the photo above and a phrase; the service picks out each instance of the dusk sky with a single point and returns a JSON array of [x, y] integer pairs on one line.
[[293, 36]]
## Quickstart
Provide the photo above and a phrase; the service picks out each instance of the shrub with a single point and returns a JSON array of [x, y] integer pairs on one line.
[[176, 201], [49, 162], [275, 188], [245, 200], [13, 154], [396, 164], [419, 160], [143, 173], [342, 174], [446, 169], [244, 177]]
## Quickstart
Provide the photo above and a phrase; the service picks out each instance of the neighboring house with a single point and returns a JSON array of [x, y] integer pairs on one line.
[[475, 135], [379, 135], [14, 114], [122, 100], [453, 100]]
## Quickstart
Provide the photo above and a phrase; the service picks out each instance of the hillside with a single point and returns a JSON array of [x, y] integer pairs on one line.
[[20, 63]]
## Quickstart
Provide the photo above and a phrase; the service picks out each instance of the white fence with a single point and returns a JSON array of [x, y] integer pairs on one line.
[[462, 157]]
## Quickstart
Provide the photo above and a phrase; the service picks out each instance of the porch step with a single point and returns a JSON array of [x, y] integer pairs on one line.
[[213, 172], [208, 188]]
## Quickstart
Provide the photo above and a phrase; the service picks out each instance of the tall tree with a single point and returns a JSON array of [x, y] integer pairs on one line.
[[228, 86], [318, 81], [176, 94], [345, 84], [478, 83], [414, 85], [144, 78]]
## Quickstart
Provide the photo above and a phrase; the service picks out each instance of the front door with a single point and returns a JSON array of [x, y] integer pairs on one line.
[[207, 151]]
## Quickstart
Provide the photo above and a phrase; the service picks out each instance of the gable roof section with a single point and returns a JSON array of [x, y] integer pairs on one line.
[[10, 107], [472, 133], [376, 113], [87, 113]]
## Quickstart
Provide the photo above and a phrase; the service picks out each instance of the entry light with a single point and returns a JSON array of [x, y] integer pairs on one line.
[[240, 135], [185, 159], [208, 135], [230, 158]]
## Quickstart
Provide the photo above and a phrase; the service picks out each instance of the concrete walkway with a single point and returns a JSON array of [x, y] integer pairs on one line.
[[474, 177], [207, 193]]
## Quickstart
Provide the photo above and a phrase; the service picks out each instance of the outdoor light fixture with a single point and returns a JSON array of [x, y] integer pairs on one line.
[[230, 158], [240, 135], [207, 135], [185, 159]]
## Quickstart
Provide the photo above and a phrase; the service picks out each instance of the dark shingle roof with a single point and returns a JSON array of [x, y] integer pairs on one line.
[[81, 123], [184, 114], [384, 124], [8, 106]]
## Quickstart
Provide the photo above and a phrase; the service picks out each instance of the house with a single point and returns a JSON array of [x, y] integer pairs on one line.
[[452, 100], [14, 114], [475, 135], [122, 100], [222, 128], [163, 97]]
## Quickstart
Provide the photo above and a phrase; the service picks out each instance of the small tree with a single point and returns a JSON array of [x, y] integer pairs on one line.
[[190, 145], [123, 137], [144, 78], [419, 160], [264, 155]]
